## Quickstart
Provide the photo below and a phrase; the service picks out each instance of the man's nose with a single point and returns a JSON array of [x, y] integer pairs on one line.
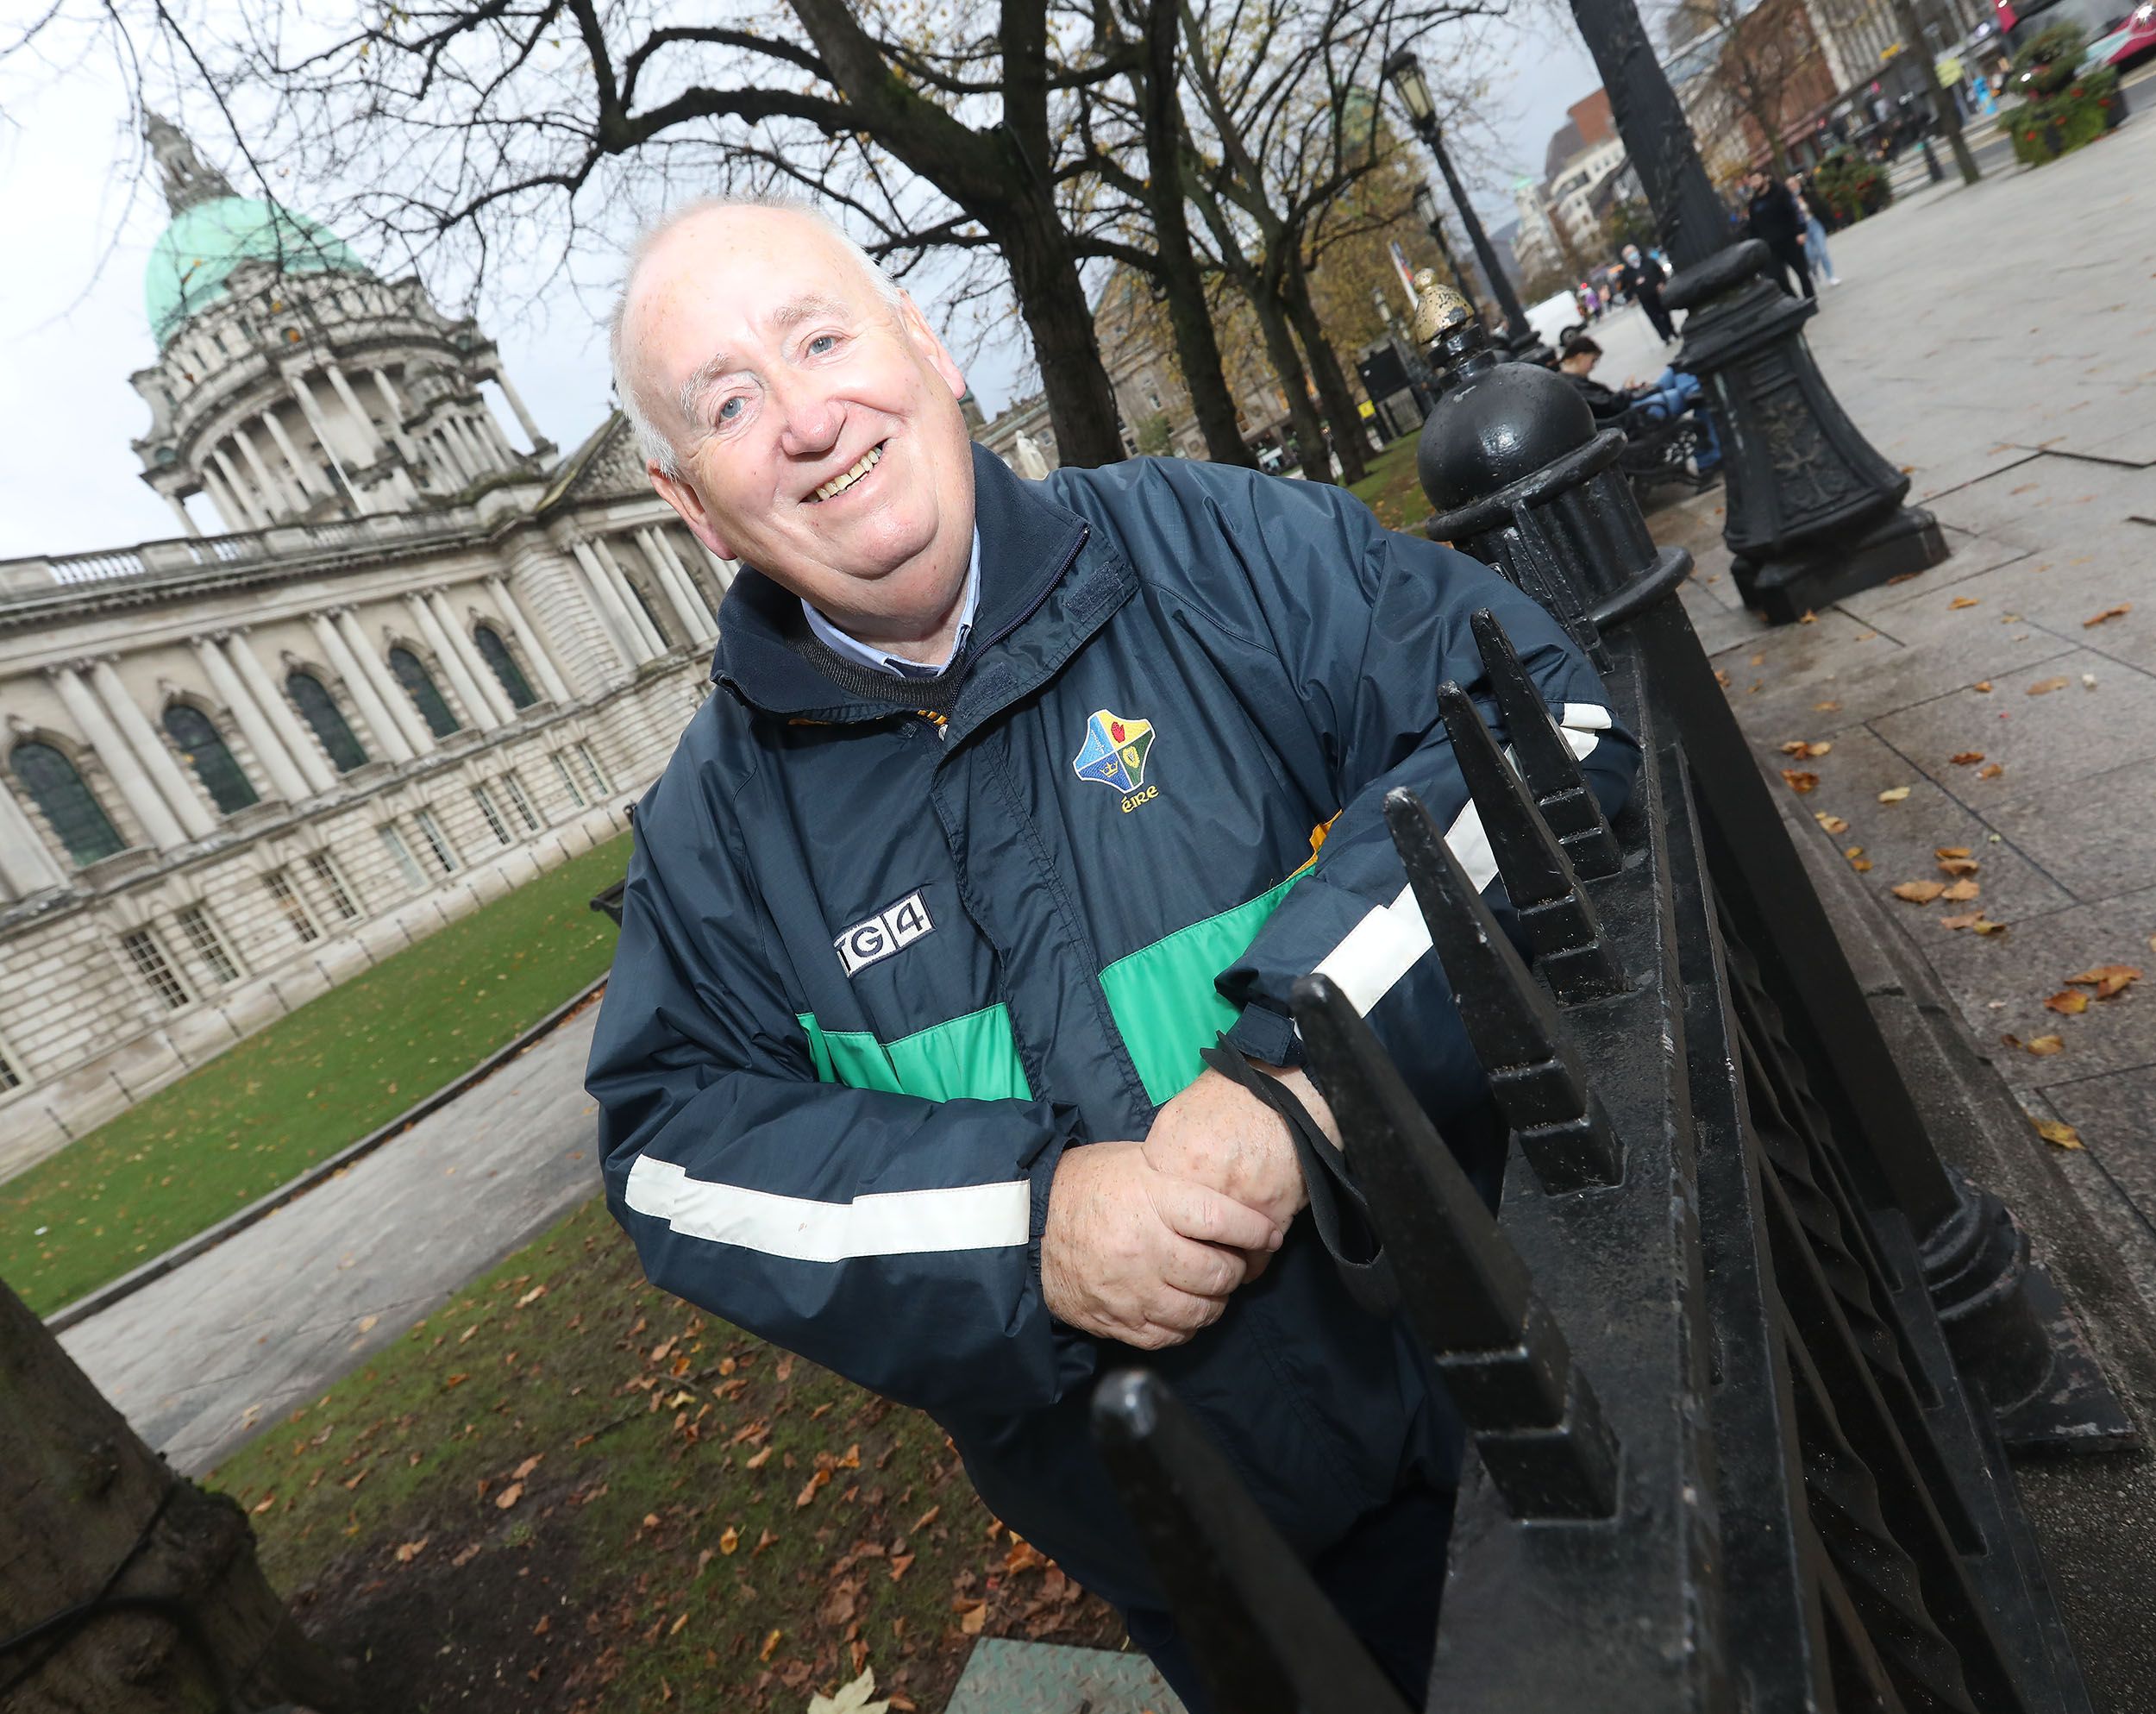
[[809, 419]]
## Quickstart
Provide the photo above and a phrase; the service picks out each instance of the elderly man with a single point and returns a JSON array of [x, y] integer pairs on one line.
[[1013, 799]]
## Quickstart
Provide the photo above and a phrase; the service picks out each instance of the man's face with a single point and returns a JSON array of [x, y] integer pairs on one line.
[[1578, 362], [816, 427]]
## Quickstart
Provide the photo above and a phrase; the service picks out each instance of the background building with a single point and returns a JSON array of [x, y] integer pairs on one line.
[[393, 665]]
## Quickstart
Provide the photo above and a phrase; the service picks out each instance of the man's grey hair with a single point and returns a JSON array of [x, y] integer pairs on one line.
[[651, 445]]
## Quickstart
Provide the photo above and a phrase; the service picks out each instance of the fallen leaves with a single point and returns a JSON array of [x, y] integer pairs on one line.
[[1805, 750], [1827, 708], [972, 1616], [2057, 1131], [1919, 892], [2044, 1046], [729, 1539], [2107, 980], [818, 1479], [1963, 601], [525, 1469], [2068, 1003], [509, 1496], [1799, 780], [2117, 613], [1966, 758], [1961, 892], [852, 1698], [770, 1646], [1991, 772], [531, 1296], [1894, 794], [2045, 687], [1833, 823], [408, 1551], [1982, 686], [262, 1505]]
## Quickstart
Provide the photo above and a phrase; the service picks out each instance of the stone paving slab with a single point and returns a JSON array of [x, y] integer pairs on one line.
[[1008, 1677], [232, 1339]]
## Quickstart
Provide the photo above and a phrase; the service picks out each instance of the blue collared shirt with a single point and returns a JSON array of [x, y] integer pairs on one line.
[[839, 643]]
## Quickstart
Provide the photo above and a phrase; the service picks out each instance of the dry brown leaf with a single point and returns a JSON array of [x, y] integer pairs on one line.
[[1852, 851], [1983, 686], [1759, 659], [2045, 687], [852, 1460], [1962, 602], [816, 1480], [1832, 824], [1919, 892], [1807, 617], [972, 1615], [456, 1380], [2108, 979], [924, 1520], [1966, 758], [1990, 928], [730, 1539], [1894, 794], [674, 1630], [1959, 865], [2044, 1046], [1803, 747], [1961, 892], [1990, 773], [531, 1296], [1799, 780], [1860, 864], [1826, 707], [763, 1542], [262, 1505], [770, 1645], [525, 1469], [900, 1564], [1968, 919], [2055, 1131], [509, 1496], [1721, 677], [2068, 1003], [1950, 851], [2117, 613], [408, 1551], [760, 1459], [465, 1555]]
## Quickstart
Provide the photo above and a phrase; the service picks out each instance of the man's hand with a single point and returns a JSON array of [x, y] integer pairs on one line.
[[1134, 1255], [1218, 1135]]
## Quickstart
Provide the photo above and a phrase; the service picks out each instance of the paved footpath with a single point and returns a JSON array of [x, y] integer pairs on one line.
[[231, 1341]]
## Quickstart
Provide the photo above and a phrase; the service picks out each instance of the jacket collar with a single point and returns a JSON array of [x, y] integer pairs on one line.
[[1042, 595]]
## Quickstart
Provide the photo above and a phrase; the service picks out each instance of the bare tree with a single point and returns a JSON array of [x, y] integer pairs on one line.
[[123, 1589]]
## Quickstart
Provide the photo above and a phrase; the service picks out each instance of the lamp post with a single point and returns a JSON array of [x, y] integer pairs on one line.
[[1404, 72], [1814, 513]]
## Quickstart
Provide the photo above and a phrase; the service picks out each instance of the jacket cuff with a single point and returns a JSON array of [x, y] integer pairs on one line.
[[1260, 1033]]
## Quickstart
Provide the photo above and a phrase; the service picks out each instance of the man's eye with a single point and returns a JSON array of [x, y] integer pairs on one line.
[[821, 344], [731, 409]]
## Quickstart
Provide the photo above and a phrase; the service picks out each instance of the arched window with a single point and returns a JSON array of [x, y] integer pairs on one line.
[[650, 612], [76, 816], [419, 686], [210, 756], [322, 713], [496, 654]]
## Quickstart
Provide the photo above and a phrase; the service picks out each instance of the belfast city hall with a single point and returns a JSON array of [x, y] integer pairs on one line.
[[388, 666]]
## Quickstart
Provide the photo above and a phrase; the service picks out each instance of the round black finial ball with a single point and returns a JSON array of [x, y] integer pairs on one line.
[[1495, 424]]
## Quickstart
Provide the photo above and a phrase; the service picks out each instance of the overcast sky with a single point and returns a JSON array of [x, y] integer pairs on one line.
[[82, 211]]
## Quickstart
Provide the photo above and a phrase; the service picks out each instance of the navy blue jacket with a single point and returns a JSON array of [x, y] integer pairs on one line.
[[878, 969]]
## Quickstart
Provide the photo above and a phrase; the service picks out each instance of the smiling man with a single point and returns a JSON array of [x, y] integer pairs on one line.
[[950, 1014]]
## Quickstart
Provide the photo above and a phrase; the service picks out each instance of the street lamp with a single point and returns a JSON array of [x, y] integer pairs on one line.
[[1814, 513], [1433, 219], [1404, 72]]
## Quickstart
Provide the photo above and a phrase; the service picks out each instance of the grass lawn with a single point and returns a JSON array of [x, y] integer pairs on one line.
[[568, 1491], [1390, 489], [272, 1105]]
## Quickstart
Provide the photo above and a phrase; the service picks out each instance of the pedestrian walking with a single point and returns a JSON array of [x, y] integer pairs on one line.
[[1643, 278], [1773, 217], [1815, 232], [962, 929]]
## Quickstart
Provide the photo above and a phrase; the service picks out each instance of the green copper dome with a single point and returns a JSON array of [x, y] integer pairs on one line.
[[190, 264]]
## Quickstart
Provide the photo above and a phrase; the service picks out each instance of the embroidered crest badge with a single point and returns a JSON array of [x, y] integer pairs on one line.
[[1114, 750]]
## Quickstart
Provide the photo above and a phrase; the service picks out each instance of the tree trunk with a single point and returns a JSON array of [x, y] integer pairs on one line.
[[1351, 443], [177, 1614], [1197, 348], [1052, 299]]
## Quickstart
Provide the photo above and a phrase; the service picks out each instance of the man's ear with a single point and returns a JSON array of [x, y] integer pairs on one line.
[[682, 495], [931, 347]]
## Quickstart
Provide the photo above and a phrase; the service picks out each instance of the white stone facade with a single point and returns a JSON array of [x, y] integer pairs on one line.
[[236, 768]]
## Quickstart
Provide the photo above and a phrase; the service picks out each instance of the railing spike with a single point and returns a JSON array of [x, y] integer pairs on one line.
[[1265, 1636], [1465, 1291], [1535, 1076], [1561, 925], [1545, 760]]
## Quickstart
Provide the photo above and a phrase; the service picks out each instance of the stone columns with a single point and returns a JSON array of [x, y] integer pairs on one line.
[[305, 750], [534, 645], [467, 651], [480, 710], [303, 395], [361, 420], [255, 726], [516, 404], [158, 760], [274, 494], [159, 825], [315, 483], [631, 601], [389, 393], [221, 496], [628, 636], [245, 507], [26, 867], [694, 614], [179, 511], [376, 671], [387, 732], [396, 418]]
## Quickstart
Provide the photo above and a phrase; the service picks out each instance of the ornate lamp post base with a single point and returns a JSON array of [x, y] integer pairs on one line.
[[1814, 512]]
